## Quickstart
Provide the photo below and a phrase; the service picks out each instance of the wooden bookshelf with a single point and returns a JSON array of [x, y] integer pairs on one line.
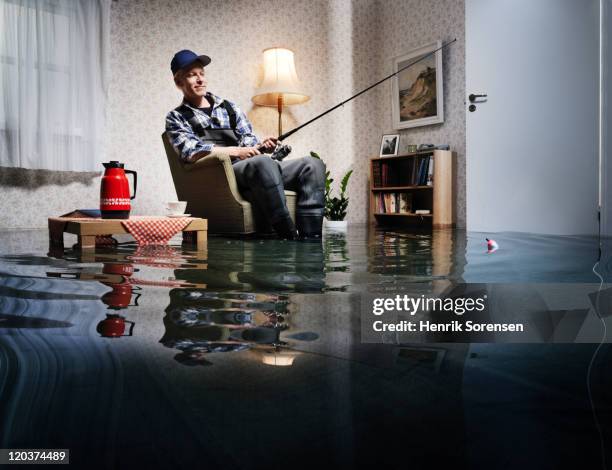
[[402, 214], [396, 188], [406, 184]]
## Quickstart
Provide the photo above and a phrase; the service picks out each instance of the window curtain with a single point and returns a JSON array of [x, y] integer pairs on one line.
[[53, 83]]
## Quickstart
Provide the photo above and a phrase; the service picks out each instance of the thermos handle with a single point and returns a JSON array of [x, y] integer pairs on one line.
[[131, 328], [135, 181], [136, 299]]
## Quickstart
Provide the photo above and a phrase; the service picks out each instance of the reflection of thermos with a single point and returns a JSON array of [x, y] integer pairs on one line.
[[121, 295], [123, 269], [113, 326]]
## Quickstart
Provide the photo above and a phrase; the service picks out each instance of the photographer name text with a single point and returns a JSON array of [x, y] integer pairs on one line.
[[457, 306]]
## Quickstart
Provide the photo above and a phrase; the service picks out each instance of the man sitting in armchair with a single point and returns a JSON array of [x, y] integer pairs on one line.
[[204, 123]]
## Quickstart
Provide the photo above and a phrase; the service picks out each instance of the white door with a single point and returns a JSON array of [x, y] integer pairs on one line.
[[532, 144]]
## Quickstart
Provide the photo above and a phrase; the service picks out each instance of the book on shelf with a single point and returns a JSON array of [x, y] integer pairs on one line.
[[405, 202], [376, 175], [381, 206], [430, 172], [391, 199], [420, 172], [393, 203], [423, 171], [385, 173], [422, 211], [416, 171]]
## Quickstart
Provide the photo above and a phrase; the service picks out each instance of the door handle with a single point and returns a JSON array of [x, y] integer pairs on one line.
[[473, 97]]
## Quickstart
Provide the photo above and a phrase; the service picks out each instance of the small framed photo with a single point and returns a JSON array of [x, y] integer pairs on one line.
[[417, 98], [389, 145]]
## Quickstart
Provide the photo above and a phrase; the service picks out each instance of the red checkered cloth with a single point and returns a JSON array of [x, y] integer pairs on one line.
[[162, 283], [155, 230], [159, 256]]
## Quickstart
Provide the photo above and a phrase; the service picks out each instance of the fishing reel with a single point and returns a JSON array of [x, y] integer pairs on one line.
[[280, 152]]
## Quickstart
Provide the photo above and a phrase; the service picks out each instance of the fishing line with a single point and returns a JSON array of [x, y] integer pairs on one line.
[[592, 362]]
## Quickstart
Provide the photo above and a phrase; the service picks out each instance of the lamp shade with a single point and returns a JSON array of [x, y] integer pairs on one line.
[[280, 80]]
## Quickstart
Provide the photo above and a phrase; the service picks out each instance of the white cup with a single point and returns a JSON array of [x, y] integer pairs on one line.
[[176, 207]]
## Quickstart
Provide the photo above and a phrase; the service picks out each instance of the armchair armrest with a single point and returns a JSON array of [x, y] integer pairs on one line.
[[209, 186], [208, 168], [214, 158]]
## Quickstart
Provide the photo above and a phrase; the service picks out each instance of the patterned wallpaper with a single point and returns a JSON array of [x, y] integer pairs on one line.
[[341, 46], [409, 24]]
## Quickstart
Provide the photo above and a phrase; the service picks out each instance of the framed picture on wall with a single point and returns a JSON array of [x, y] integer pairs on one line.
[[389, 145], [417, 96]]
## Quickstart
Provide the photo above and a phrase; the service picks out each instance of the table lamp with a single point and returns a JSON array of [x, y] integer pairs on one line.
[[280, 85]]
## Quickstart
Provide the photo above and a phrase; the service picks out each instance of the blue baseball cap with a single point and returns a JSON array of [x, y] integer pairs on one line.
[[185, 58]]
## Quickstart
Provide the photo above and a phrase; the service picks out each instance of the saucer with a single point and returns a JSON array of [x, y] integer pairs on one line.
[[178, 215]]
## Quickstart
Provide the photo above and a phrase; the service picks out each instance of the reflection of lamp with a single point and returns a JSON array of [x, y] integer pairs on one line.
[[278, 358], [275, 355], [280, 85]]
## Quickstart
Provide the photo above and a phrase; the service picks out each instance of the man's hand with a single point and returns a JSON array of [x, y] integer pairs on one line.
[[268, 145], [242, 153]]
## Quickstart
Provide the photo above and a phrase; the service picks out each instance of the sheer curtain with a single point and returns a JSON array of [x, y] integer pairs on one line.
[[53, 83]]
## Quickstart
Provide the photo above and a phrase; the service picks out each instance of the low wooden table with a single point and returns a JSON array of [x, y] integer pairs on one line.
[[87, 229]]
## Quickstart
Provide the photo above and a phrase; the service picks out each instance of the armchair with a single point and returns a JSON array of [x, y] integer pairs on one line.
[[209, 186]]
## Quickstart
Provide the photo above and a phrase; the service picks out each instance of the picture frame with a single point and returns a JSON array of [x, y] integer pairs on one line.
[[389, 145], [417, 93]]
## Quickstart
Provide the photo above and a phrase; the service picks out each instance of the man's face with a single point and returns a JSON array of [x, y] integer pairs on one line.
[[193, 82]]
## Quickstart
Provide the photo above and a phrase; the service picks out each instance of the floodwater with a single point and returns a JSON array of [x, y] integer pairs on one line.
[[249, 355]]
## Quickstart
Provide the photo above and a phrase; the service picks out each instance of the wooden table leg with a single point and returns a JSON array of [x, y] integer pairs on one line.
[[87, 242], [201, 239], [56, 237]]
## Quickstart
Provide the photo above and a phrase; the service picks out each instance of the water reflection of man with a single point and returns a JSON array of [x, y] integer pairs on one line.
[[196, 343], [197, 355], [197, 328], [261, 266]]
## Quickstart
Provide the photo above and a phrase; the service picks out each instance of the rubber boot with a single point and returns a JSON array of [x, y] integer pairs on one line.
[[286, 229], [309, 226]]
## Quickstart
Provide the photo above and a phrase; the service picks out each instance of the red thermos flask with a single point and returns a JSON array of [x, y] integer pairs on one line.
[[115, 191]]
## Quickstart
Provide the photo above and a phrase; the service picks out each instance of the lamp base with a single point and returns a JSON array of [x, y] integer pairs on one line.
[[279, 107]]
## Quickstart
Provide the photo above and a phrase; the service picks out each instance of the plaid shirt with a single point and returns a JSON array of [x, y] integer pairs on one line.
[[187, 143]]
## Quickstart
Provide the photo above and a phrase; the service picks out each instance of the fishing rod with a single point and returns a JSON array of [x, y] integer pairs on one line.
[[293, 131]]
